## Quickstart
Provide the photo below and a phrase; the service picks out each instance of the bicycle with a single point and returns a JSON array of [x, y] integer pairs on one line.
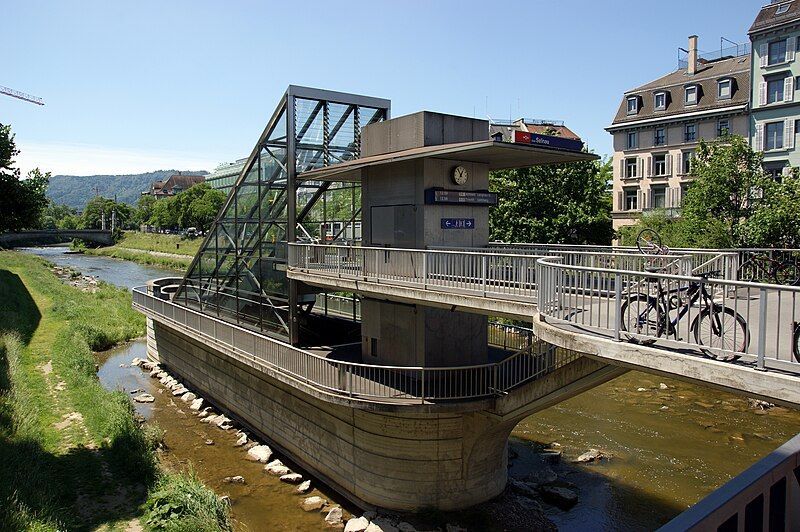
[[759, 267], [715, 326], [796, 341], [649, 243]]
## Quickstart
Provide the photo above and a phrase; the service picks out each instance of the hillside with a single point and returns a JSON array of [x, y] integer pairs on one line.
[[75, 191]]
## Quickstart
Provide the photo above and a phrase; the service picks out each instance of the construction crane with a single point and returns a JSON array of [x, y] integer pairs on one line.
[[21, 95]]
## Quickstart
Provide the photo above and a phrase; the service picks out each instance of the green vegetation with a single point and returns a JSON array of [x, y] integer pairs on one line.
[[72, 455], [76, 191], [732, 202], [554, 204], [22, 201], [181, 502], [146, 248], [196, 206]]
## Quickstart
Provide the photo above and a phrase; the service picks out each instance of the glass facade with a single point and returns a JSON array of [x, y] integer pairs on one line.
[[240, 271]]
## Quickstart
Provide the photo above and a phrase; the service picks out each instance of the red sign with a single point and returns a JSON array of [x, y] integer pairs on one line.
[[522, 137]]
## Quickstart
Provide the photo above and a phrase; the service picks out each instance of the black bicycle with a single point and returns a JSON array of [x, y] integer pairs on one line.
[[796, 341], [719, 328], [759, 268], [649, 243]]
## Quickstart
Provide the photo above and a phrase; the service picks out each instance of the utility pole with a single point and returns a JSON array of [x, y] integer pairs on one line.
[[114, 215]]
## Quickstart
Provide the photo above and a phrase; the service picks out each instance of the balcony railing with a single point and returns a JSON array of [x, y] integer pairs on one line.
[[385, 384]]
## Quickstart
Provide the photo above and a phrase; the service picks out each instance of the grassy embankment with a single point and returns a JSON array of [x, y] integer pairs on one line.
[[73, 457], [169, 251]]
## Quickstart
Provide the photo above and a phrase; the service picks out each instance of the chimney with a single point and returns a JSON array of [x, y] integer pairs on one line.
[[692, 68]]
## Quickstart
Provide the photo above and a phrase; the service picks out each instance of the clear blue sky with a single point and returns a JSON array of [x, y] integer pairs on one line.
[[135, 86]]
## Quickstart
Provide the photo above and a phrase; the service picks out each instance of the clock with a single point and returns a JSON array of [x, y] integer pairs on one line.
[[460, 175]]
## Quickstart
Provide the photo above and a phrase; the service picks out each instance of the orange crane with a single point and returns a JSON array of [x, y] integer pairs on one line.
[[21, 95]]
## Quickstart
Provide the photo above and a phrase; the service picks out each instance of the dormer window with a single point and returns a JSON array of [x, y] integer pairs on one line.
[[691, 95], [633, 105], [660, 101], [724, 89], [783, 8]]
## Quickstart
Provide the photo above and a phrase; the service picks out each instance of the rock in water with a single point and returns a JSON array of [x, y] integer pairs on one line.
[[357, 524], [563, 498], [663, 386], [180, 390], [144, 398], [382, 525], [292, 478], [196, 405], [592, 455], [310, 504], [238, 479], [136, 361], [305, 487], [641, 389], [406, 527], [259, 453], [276, 468], [241, 441], [522, 488], [188, 396]]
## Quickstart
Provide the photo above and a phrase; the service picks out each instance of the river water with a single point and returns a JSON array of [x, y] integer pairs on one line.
[[671, 443]]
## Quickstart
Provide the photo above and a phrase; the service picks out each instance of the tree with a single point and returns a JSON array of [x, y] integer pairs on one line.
[[22, 201], [203, 210], [728, 180], [554, 204], [776, 216], [99, 207], [58, 217], [144, 209]]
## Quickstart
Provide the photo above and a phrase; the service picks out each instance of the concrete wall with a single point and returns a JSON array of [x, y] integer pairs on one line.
[[424, 128]]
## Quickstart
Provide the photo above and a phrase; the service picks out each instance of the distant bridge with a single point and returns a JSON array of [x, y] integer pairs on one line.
[[28, 238]]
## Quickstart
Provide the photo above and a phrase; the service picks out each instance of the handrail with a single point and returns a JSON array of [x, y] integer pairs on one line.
[[395, 384]]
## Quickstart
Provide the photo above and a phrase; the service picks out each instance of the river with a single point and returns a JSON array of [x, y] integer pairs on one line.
[[671, 443]]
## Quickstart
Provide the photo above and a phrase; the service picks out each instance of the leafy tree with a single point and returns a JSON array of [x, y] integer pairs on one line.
[[22, 201], [144, 209], [196, 206], [56, 216], [203, 209], [557, 204], [99, 207], [776, 217]]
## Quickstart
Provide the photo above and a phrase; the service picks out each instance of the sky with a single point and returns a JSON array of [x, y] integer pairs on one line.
[[139, 86]]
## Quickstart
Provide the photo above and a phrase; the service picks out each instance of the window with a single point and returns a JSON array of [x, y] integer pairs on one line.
[[632, 140], [631, 199], [775, 89], [774, 133], [633, 105], [724, 89], [777, 52], [660, 164], [723, 127], [660, 102], [660, 137], [691, 95], [690, 133], [631, 167], [658, 197], [783, 8], [686, 161]]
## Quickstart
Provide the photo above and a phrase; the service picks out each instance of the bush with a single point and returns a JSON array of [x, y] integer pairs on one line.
[[181, 502]]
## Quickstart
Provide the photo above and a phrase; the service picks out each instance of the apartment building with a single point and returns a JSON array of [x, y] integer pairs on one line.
[[658, 126], [775, 109]]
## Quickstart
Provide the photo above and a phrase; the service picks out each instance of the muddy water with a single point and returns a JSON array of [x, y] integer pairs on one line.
[[263, 503], [670, 446]]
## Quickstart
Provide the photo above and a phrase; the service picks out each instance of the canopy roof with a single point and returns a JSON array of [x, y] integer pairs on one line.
[[498, 155]]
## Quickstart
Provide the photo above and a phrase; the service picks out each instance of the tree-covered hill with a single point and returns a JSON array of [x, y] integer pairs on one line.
[[75, 191]]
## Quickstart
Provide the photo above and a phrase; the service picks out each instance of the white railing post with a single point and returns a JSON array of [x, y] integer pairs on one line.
[[338, 262], [762, 329], [424, 270], [484, 272], [618, 305]]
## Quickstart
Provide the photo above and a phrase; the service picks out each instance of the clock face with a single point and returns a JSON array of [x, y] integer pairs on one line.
[[460, 175]]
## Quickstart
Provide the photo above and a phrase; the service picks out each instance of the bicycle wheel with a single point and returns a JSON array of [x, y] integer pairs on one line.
[[787, 274], [748, 271], [721, 328], [643, 315], [649, 242], [796, 342]]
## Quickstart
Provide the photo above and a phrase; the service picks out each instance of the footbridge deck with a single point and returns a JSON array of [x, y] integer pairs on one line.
[[27, 238], [620, 307]]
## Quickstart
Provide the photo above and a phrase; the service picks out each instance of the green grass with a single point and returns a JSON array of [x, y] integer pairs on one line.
[[142, 257], [159, 242], [99, 469]]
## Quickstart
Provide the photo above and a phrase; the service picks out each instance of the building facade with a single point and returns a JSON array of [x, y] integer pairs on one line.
[[775, 110], [175, 184], [658, 126], [224, 176]]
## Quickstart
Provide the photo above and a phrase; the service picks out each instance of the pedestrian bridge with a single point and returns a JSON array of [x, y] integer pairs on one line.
[[54, 236], [619, 307]]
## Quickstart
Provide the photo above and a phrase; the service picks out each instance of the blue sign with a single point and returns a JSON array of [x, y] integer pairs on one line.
[[547, 141], [458, 223]]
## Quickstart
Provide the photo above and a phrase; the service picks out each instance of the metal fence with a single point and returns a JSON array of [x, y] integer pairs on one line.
[[765, 497], [395, 384], [724, 319]]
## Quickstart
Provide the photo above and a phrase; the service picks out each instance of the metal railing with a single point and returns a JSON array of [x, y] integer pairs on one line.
[[764, 497], [754, 321], [392, 384]]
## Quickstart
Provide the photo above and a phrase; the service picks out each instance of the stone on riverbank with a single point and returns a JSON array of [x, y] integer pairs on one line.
[[522, 488], [406, 527], [196, 405], [180, 390], [357, 524], [188, 396], [259, 453], [241, 441], [276, 468], [563, 498], [382, 525], [144, 398], [313, 503], [305, 487], [223, 423], [155, 371], [334, 518], [209, 418], [759, 404], [136, 362], [292, 478]]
